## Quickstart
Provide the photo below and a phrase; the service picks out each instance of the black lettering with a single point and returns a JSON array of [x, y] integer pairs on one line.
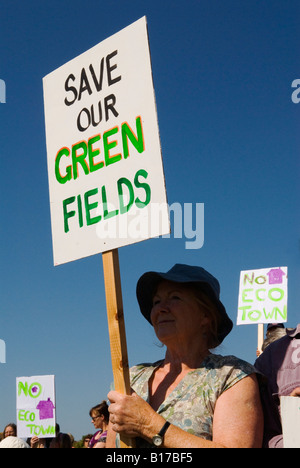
[[80, 126], [110, 68], [98, 83], [70, 88], [109, 103], [94, 123], [84, 84]]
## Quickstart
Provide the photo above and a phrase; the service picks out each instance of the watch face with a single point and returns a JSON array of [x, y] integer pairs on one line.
[[157, 440]]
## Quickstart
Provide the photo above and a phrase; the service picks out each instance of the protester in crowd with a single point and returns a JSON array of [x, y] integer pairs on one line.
[[10, 430], [35, 442], [100, 419], [191, 398], [13, 442], [273, 333], [62, 440], [280, 364], [86, 441]]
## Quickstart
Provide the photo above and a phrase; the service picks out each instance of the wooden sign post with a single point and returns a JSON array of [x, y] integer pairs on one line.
[[116, 326], [116, 323], [260, 337]]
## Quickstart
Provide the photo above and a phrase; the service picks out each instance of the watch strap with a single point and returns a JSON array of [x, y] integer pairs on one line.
[[164, 429], [157, 440]]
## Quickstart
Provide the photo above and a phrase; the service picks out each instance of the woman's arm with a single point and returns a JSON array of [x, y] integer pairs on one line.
[[238, 420]]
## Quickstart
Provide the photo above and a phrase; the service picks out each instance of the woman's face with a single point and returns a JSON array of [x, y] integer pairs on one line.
[[9, 431], [176, 314], [86, 442], [97, 420]]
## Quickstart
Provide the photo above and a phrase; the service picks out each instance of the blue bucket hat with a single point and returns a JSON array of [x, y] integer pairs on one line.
[[206, 282]]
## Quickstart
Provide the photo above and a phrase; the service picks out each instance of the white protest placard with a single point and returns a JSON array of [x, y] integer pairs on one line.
[[105, 171], [2, 352], [36, 415], [290, 418], [263, 296]]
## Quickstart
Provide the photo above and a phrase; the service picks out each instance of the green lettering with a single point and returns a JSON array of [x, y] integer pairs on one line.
[[36, 386], [91, 206], [67, 214], [254, 315], [79, 158], [50, 430], [37, 430], [93, 153], [125, 208], [31, 427], [21, 416], [22, 388], [42, 430], [110, 145], [267, 315], [146, 187], [283, 313], [246, 278], [280, 291], [244, 294], [136, 140], [257, 295], [62, 179], [79, 204], [107, 214], [262, 281], [244, 309]]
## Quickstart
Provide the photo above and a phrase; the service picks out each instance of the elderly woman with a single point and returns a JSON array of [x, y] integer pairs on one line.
[[192, 398]]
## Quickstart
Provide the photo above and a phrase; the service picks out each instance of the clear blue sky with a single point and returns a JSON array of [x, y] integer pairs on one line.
[[230, 139]]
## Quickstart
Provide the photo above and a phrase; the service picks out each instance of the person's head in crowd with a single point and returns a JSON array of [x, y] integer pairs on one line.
[[10, 430], [204, 308], [273, 333], [62, 440], [100, 415], [87, 440]]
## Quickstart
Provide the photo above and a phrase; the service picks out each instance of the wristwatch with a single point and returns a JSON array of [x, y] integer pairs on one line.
[[157, 440]]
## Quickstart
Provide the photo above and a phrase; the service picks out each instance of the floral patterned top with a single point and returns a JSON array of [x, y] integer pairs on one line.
[[191, 404]]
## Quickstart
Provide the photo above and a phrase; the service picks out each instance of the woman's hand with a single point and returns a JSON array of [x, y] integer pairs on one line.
[[34, 442], [296, 392], [129, 414]]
